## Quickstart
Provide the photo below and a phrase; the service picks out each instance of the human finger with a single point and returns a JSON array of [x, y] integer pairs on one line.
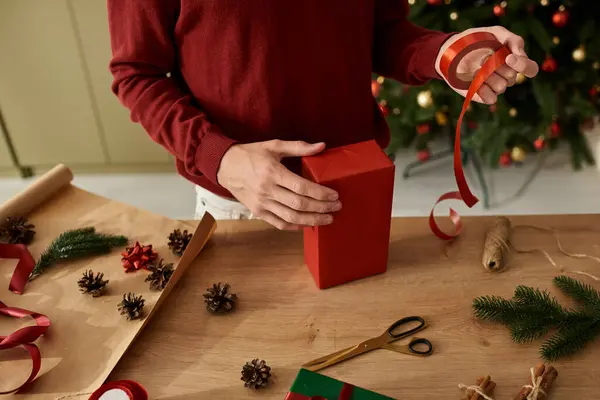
[[509, 74], [299, 218], [304, 187], [524, 65], [294, 148], [277, 222], [487, 95], [497, 83], [303, 203]]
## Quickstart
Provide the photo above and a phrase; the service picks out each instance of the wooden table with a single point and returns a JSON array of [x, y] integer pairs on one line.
[[186, 353]]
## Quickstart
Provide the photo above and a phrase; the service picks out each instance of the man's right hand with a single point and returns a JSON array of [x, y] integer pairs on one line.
[[254, 175]]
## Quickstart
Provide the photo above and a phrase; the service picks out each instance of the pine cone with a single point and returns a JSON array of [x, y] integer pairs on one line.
[[178, 241], [17, 231], [218, 300], [90, 284], [131, 306], [256, 374], [160, 275], [138, 257]]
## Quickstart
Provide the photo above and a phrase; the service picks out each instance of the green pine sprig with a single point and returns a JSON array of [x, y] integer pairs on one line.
[[531, 314], [74, 244]]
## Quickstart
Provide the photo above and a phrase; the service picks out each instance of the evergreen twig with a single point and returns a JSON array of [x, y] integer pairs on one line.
[[531, 314], [75, 244]]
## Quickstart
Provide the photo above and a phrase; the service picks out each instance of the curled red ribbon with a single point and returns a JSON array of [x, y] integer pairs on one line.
[[24, 266], [448, 65], [132, 389], [25, 337]]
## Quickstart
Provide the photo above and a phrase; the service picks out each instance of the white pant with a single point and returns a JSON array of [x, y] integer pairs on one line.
[[219, 207]]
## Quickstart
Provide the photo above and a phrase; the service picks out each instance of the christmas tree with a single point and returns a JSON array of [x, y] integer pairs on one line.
[[534, 115]]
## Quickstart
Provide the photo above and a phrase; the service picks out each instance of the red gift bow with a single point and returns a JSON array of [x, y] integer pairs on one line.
[[132, 389], [448, 64], [25, 337], [345, 394], [24, 266]]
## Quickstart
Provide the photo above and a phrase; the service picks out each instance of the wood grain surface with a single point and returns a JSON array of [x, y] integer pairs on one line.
[[186, 353]]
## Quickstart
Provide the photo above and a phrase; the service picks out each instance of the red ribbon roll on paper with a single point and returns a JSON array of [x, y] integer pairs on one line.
[[448, 65], [24, 266], [25, 337], [132, 389]]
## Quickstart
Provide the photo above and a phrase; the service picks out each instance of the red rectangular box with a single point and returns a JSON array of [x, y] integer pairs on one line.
[[356, 244]]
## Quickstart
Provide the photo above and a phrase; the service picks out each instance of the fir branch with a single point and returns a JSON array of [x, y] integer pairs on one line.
[[584, 294], [76, 244], [526, 331], [495, 309], [570, 339]]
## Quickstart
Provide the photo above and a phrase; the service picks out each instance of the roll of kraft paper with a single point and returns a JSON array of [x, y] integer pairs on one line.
[[449, 66]]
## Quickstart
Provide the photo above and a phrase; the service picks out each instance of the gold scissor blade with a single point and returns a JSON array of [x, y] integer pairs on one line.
[[315, 364], [341, 356]]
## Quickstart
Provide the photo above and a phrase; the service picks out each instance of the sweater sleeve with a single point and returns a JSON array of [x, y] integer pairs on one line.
[[143, 56], [402, 50]]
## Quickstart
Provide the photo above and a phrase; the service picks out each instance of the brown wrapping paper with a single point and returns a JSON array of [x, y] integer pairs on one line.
[[88, 336]]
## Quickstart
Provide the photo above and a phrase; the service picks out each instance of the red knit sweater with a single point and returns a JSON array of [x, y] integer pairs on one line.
[[201, 75]]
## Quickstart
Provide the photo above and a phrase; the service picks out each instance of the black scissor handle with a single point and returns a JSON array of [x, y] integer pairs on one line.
[[420, 341], [396, 333]]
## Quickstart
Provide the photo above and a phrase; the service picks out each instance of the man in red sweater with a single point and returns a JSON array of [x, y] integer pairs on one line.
[[238, 90]]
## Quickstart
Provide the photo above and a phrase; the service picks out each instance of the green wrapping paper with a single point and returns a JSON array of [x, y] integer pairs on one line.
[[313, 386]]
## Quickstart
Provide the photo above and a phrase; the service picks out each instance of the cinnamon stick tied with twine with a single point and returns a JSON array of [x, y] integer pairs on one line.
[[542, 378], [482, 390], [496, 246]]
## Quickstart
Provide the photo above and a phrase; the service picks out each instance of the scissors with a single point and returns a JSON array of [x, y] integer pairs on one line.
[[391, 334]]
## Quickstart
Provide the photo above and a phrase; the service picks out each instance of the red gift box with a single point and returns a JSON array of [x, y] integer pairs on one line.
[[356, 244]]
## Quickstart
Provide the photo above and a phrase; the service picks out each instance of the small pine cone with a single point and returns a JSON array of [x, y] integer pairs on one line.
[[93, 285], [159, 275], [218, 299], [178, 241], [131, 306], [255, 374], [17, 231]]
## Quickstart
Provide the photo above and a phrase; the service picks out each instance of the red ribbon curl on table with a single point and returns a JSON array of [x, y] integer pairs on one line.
[[132, 389], [24, 266], [25, 337], [345, 394], [448, 65]]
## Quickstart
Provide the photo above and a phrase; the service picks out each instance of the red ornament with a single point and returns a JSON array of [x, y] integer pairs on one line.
[[560, 18], [539, 143], [549, 65], [423, 129], [423, 155], [435, 2], [555, 129], [499, 11], [593, 91], [472, 125], [384, 110], [505, 159], [138, 257], [375, 88]]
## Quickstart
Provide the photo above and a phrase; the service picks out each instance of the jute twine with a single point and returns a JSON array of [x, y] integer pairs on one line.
[[498, 245], [476, 389], [535, 386]]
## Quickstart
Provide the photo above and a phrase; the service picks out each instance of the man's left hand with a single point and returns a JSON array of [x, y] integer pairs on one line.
[[504, 77]]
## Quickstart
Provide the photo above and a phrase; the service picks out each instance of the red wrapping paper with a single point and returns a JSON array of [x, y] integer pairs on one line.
[[345, 394], [356, 244]]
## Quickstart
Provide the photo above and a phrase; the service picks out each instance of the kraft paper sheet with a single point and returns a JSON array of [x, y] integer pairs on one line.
[[88, 336]]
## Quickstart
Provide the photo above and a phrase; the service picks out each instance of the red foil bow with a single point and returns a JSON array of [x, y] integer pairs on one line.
[[24, 266], [138, 257], [132, 389], [448, 65], [25, 337], [345, 394]]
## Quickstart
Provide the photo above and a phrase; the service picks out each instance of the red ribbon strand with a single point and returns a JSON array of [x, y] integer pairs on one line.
[[132, 389], [24, 266], [448, 65], [25, 337]]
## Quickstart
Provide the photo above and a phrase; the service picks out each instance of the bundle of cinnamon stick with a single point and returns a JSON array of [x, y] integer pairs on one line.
[[542, 379], [483, 389]]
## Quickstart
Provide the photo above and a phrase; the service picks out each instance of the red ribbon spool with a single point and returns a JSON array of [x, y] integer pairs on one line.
[[448, 66], [132, 389]]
